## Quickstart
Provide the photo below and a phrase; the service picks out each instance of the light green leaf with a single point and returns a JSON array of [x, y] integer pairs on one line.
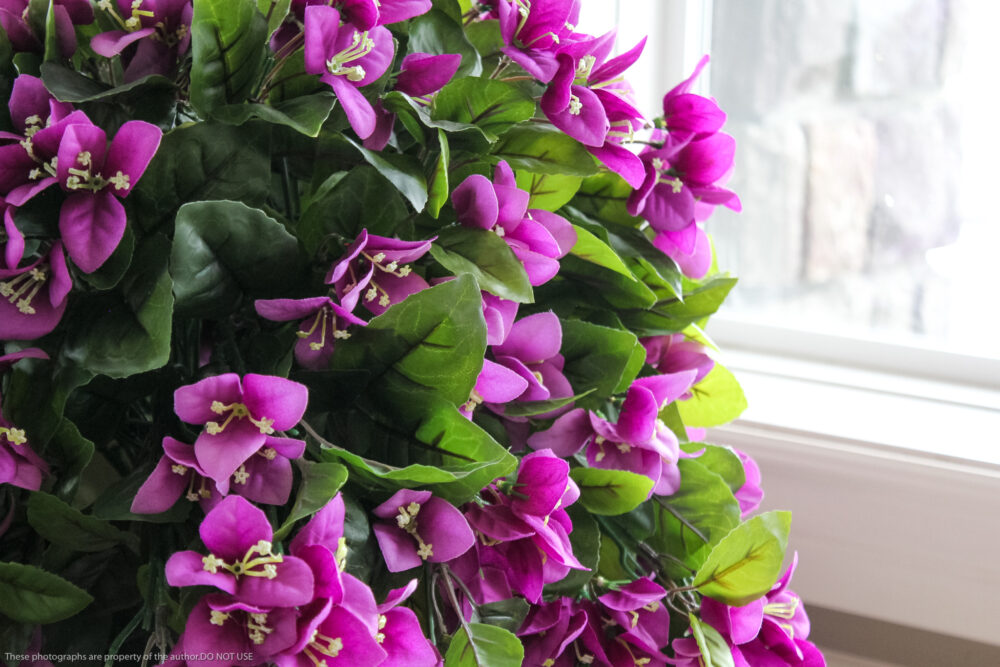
[[228, 50], [479, 645], [603, 197], [723, 461], [320, 483], [61, 524], [718, 399], [438, 188], [544, 150], [715, 651], [548, 191], [532, 408], [220, 252], [487, 257], [611, 492], [31, 595], [747, 562]]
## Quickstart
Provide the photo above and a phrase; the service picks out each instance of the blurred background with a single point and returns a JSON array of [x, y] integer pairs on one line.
[[865, 327]]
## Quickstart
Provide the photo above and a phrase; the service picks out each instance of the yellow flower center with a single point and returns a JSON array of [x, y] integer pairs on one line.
[[236, 411]]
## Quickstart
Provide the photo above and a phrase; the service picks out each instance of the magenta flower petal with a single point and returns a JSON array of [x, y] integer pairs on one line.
[[423, 73], [193, 403], [220, 455], [91, 226], [187, 568], [268, 482], [289, 448], [584, 118], [618, 64], [475, 202], [284, 310], [325, 528], [326, 571], [558, 227], [234, 526], [498, 522], [500, 315], [533, 339], [78, 140], [292, 586], [110, 44], [499, 384], [276, 398], [567, 435], [634, 595], [132, 148], [542, 477], [398, 549], [322, 23], [161, 489], [360, 113], [14, 248], [393, 11], [620, 160]]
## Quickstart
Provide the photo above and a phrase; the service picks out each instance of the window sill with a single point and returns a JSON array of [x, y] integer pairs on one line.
[[894, 483]]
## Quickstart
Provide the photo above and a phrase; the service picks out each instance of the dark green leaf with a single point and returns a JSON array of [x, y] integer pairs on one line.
[[320, 483], [596, 358], [36, 394], [403, 171], [462, 135], [304, 114], [478, 645], [61, 524], [487, 257], [544, 150], [204, 161], [437, 33], [716, 400], [362, 199], [746, 563], [68, 85], [611, 492], [121, 334], [494, 106], [508, 614], [31, 595], [223, 250], [229, 51], [73, 452]]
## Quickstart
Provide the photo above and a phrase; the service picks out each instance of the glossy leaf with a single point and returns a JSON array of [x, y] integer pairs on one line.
[[67, 85], [723, 461], [304, 114], [437, 188], [508, 614], [29, 594], [747, 562], [603, 197], [485, 256], [67, 527], [596, 358], [402, 171], [228, 51], [611, 492], [543, 150], [221, 252], [718, 399], [548, 191], [715, 651], [493, 106], [320, 483], [479, 645], [437, 33]]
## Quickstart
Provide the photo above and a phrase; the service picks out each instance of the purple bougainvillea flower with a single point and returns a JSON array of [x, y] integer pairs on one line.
[[549, 630], [495, 384], [241, 561], [531, 32], [13, 245], [687, 114], [222, 631], [32, 108], [500, 315], [240, 419], [538, 238], [265, 478], [166, 23], [33, 298], [19, 464], [325, 322], [29, 166], [67, 13], [750, 494], [532, 351], [379, 269], [346, 59], [676, 354], [420, 527], [400, 634], [92, 220]]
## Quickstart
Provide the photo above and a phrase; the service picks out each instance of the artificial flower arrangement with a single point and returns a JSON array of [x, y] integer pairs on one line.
[[365, 332]]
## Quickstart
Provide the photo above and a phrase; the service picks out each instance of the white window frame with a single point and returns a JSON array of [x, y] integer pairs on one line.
[[887, 454]]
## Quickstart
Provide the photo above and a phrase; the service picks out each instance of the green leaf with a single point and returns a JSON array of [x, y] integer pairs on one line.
[[479, 645], [429, 345], [438, 188], [532, 408], [718, 399], [493, 106], [611, 492], [123, 333], [68, 85], [596, 358], [632, 368], [437, 33], [508, 614], [465, 136], [604, 197], [31, 595], [204, 161], [36, 394], [274, 11], [586, 543], [487, 257], [320, 483], [361, 199], [747, 562], [228, 50], [544, 150], [223, 250], [115, 502], [592, 249], [304, 114], [52, 50], [403, 171], [695, 518], [723, 461], [674, 315], [67, 527], [73, 452], [715, 652], [548, 191]]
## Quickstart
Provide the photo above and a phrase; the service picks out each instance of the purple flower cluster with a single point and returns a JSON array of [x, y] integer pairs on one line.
[[19, 464]]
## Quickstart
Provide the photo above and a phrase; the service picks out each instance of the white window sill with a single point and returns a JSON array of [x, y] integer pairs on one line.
[[893, 480]]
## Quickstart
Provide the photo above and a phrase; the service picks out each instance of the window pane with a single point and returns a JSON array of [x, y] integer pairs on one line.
[[866, 133]]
